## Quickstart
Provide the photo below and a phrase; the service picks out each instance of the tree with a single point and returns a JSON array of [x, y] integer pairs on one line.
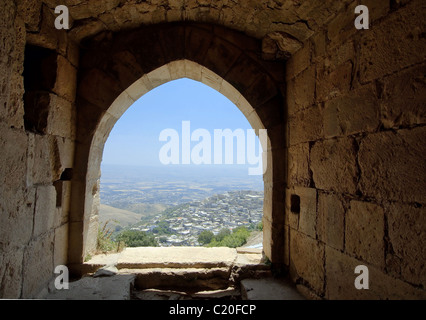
[[134, 238], [205, 237], [222, 234]]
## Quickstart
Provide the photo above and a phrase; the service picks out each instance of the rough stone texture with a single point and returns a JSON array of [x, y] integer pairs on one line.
[[383, 53], [269, 289], [341, 277], [406, 229], [38, 265], [349, 103], [333, 164], [355, 112], [183, 257], [307, 261], [403, 98], [392, 165], [331, 218], [298, 165], [306, 125], [117, 287], [365, 232], [11, 272]]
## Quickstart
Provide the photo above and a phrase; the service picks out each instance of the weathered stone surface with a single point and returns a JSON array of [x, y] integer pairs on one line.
[[60, 254], [392, 165], [189, 257], [403, 98], [279, 45], [269, 289], [341, 277], [365, 231], [332, 83], [116, 287], [301, 91], [331, 217], [406, 229], [307, 216], [395, 43], [333, 164], [10, 272], [307, 260], [298, 165], [299, 61], [306, 125], [44, 215], [188, 279], [38, 265], [354, 112]]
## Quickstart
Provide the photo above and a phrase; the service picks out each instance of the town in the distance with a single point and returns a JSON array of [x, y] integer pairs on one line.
[[175, 206]]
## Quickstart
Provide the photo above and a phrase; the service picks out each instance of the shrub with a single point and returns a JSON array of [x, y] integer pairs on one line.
[[135, 238]]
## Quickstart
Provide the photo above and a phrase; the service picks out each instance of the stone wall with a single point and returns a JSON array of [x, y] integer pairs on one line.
[[37, 134], [356, 107], [346, 124]]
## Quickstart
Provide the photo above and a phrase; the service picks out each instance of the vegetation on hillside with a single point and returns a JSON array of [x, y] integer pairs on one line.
[[225, 238]]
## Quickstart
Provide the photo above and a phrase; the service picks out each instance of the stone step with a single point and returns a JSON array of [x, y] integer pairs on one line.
[[176, 257], [181, 279], [230, 293]]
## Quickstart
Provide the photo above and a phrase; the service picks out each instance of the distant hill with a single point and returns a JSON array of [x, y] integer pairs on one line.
[[126, 218]]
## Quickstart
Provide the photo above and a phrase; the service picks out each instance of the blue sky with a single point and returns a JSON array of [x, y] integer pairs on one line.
[[134, 139]]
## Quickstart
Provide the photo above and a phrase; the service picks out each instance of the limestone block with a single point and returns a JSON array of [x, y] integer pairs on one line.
[[307, 260], [60, 254], [308, 210], [193, 70], [332, 83], [342, 26], [66, 79], [197, 42], [243, 73], [365, 232], [392, 165], [333, 165], [41, 169], [354, 112], [38, 265], [16, 213], [393, 44], [12, 111], [299, 61], [13, 144], [61, 117], [406, 229], [291, 218], [99, 88], [142, 86], [221, 56], [331, 217], [301, 91], [403, 98], [298, 165], [273, 241], [306, 125], [341, 277], [11, 273], [45, 210], [30, 11], [62, 212], [125, 67]]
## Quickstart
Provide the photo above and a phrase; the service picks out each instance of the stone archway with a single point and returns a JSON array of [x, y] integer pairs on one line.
[[117, 70]]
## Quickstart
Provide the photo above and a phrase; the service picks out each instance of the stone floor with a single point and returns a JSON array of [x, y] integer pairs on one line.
[[179, 273]]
